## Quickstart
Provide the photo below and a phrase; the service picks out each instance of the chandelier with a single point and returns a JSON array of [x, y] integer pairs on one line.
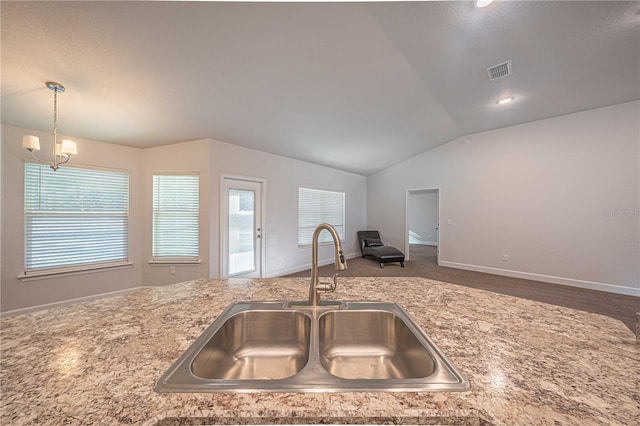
[[62, 151]]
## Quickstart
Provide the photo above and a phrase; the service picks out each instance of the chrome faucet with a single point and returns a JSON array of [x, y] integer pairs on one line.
[[341, 264]]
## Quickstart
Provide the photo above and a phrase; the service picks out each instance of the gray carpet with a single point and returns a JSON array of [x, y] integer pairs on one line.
[[423, 264]]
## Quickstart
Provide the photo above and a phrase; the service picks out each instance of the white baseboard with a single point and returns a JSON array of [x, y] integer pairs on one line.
[[67, 302], [305, 267], [610, 288], [29, 309]]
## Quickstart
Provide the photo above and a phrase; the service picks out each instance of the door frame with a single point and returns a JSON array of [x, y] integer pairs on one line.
[[224, 215], [438, 191]]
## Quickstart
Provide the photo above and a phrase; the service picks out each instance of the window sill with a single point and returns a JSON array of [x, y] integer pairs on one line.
[[53, 273], [174, 262]]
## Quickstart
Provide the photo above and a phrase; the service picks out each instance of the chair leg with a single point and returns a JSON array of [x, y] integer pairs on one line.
[[402, 264], [381, 265]]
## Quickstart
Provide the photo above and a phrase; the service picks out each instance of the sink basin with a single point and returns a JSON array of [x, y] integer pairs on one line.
[[256, 345], [371, 345], [291, 347]]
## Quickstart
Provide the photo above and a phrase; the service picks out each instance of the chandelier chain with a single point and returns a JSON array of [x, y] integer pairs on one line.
[[61, 152], [55, 119]]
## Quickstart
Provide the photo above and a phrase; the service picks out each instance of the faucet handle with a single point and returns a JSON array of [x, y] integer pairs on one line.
[[335, 282], [328, 287]]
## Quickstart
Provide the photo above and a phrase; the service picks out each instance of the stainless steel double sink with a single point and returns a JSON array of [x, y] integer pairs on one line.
[[290, 347]]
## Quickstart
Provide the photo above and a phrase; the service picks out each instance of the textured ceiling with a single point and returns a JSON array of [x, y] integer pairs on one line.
[[355, 86]]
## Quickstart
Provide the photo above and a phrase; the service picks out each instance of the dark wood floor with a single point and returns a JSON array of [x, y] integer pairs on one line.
[[423, 264]]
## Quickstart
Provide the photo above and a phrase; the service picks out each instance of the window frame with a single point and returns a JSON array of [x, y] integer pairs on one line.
[[174, 259], [71, 269], [324, 239]]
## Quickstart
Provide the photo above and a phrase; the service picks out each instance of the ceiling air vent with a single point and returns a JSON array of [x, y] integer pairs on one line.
[[499, 71]]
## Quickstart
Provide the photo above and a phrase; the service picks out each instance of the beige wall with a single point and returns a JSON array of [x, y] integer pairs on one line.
[[559, 196], [15, 293], [188, 156], [211, 159], [141, 164], [283, 176]]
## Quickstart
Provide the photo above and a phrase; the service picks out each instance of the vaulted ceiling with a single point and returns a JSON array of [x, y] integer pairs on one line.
[[354, 86]]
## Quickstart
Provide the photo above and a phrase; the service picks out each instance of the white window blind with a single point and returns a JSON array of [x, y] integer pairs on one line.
[[176, 211], [316, 206], [75, 218]]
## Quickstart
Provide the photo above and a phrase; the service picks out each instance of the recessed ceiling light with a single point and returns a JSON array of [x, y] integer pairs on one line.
[[483, 3], [506, 100]]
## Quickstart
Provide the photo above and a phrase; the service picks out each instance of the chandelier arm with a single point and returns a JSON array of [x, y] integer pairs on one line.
[[35, 157], [66, 159], [53, 164]]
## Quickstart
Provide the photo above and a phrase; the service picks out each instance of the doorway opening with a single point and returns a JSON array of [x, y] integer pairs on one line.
[[241, 225], [422, 232]]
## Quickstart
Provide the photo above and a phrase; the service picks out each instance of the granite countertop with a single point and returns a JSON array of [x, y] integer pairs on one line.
[[528, 362]]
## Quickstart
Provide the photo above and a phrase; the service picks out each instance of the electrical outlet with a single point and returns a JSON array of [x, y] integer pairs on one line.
[[505, 257], [172, 270]]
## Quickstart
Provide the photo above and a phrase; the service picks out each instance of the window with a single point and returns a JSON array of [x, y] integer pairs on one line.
[[176, 214], [75, 218], [316, 206]]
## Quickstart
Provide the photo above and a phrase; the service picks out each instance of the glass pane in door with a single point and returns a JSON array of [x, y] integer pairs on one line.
[[242, 230]]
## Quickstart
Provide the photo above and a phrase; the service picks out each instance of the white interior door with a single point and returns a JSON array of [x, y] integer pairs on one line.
[[242, 228]]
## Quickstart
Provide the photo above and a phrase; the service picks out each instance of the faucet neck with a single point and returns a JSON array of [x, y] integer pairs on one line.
[[314, 295]]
